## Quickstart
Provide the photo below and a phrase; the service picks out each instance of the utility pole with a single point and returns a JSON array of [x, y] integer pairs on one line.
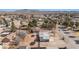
[[38, 39]]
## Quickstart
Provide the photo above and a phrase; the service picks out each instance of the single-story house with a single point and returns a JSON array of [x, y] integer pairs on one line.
[[44, 36]]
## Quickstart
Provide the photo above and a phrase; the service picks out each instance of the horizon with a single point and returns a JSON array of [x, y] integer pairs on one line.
[[41, 9]]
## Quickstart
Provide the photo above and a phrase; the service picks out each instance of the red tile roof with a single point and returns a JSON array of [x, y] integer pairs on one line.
[[5, 40]]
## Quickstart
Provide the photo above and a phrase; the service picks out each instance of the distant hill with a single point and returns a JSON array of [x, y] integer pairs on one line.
[[39, 11], [27, 10], [47, 10]]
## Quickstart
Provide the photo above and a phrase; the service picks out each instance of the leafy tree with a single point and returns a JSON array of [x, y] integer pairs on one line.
[[45, 24], [77, 24], [67, 22], [13, 28], [5, 22], [71, 24], [32, 23], [48, 24]]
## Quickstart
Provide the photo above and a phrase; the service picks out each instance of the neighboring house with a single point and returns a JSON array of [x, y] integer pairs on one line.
[[5, 33], [40, 22], [17, 23], [38, 16], [5, 43]]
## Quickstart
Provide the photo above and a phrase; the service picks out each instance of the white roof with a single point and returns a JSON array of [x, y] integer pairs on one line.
[[44, 35]]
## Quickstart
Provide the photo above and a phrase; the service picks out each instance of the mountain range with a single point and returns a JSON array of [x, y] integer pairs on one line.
[[39, 10]]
